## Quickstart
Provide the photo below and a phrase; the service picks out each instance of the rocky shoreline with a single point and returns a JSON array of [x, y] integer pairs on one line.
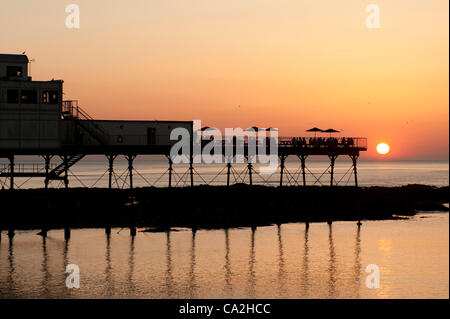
[[211, 206]]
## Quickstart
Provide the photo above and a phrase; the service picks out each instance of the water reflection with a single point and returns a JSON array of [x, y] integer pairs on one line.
[[251, 265], [281, 263], [305, 275], [131, 265], [357, 264], [65, 263], [332, 264], [327, 264], [227, 266], [169, 275], [191, 280], [12, 269], [108, 269], [66, 253], [45, 272]]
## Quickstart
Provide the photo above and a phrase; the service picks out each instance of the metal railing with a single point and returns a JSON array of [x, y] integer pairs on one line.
[[25, 167], [324, 142], [71, 110], [294, 142], [299, 142]]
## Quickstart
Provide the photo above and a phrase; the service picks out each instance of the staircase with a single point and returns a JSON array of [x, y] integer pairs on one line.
[[58, 170], [72, 111]]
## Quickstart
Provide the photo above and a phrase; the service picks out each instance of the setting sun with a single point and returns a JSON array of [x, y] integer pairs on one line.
[[383, 148]]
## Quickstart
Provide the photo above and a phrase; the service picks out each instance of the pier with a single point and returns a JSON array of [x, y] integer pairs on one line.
[[56, 163], [35, 120]]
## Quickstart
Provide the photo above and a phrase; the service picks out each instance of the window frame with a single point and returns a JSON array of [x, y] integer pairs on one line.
[[50, 100], [33, 100], [18, 71]]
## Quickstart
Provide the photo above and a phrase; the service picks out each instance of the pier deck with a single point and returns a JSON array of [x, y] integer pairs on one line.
[[301, 147]]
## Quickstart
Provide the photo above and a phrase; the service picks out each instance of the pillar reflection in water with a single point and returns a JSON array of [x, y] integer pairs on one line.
[[109, 282], [131, 265], [12, 270], [251, 265], [45, 272], [357, 265], [305, 274], [192, 280], [281, 263], [169, 275], [66, 253], [332, 263], [65, 263], [227, 266]]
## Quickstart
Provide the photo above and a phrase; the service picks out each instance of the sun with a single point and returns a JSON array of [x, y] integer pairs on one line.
[[383, 148]]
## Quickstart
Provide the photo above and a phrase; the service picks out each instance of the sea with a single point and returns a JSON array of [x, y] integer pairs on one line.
[[403, 258], [154, 171]]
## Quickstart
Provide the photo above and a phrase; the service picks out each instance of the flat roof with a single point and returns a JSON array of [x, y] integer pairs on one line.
[[13, 58]]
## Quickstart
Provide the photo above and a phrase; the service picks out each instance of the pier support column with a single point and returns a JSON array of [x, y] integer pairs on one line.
[[333, 160], [282, 160], [11, 172], [355, 172], [66, 171], [250, 170], [358, 208], [307, 219], [303, 166], [47, 159], [170, 170], [191, 170], [108, 231], [66, 233], [11, 233], [132, 231], [130, 159], [228, 173], [250, 176], [43, 232], [111, 159]]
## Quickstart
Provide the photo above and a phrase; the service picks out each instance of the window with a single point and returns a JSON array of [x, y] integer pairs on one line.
[[151, 135], [50, 97], [12, 96], [28, 97], [13, 71]]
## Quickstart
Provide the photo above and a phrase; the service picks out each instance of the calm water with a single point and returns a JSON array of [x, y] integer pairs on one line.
[[152, 170], [271, 262]]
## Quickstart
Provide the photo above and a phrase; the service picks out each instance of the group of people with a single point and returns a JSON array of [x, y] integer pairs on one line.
[[322, 141]]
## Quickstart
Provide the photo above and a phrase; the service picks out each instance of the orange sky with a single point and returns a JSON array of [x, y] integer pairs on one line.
[[291, 64]]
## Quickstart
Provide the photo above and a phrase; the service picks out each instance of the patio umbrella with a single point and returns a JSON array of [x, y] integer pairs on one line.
[[255, 128], [315, 130], [331, 130]]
